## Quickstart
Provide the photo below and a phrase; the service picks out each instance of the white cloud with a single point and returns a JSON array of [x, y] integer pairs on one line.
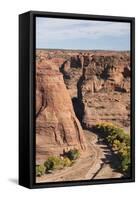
[[61, 29]]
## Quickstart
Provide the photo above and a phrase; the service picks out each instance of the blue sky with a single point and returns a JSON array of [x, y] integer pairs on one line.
[[58, 33]]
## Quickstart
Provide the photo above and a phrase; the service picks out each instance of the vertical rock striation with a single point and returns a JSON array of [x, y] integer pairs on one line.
[[57, 128]]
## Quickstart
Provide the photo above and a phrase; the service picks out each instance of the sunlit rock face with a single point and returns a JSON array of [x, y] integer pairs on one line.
[[102, 84], [105, 91], [57, 127]]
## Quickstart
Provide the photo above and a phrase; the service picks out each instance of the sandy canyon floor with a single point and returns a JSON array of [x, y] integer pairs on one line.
[[97, 163]]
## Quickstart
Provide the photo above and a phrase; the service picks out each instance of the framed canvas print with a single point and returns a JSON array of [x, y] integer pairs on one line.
[[76, 99]]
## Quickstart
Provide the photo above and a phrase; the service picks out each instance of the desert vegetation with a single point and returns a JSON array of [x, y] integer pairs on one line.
[[40, 170], [119, 141], [57, 162]]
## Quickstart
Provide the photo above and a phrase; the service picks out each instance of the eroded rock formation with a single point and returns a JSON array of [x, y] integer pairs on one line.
[[57, 127], [96, 83], [103, 86]]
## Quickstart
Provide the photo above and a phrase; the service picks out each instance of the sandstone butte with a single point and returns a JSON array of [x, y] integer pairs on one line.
[[57, 127]]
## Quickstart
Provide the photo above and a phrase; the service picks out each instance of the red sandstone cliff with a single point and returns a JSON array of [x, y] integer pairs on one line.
[[57, 128]]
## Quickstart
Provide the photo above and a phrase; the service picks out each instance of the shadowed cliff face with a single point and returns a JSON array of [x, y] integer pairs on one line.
[[57, 127]]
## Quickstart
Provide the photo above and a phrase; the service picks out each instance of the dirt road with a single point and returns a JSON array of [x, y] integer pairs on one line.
[[95, 164]]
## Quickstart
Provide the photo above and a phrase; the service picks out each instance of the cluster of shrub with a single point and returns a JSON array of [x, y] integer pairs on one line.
[[119, 141], [57, 162]]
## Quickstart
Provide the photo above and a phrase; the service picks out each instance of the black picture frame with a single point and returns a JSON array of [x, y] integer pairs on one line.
[[27, 98]]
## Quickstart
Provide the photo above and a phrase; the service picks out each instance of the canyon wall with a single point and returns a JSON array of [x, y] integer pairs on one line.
[[101, 83], [57, 127]]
